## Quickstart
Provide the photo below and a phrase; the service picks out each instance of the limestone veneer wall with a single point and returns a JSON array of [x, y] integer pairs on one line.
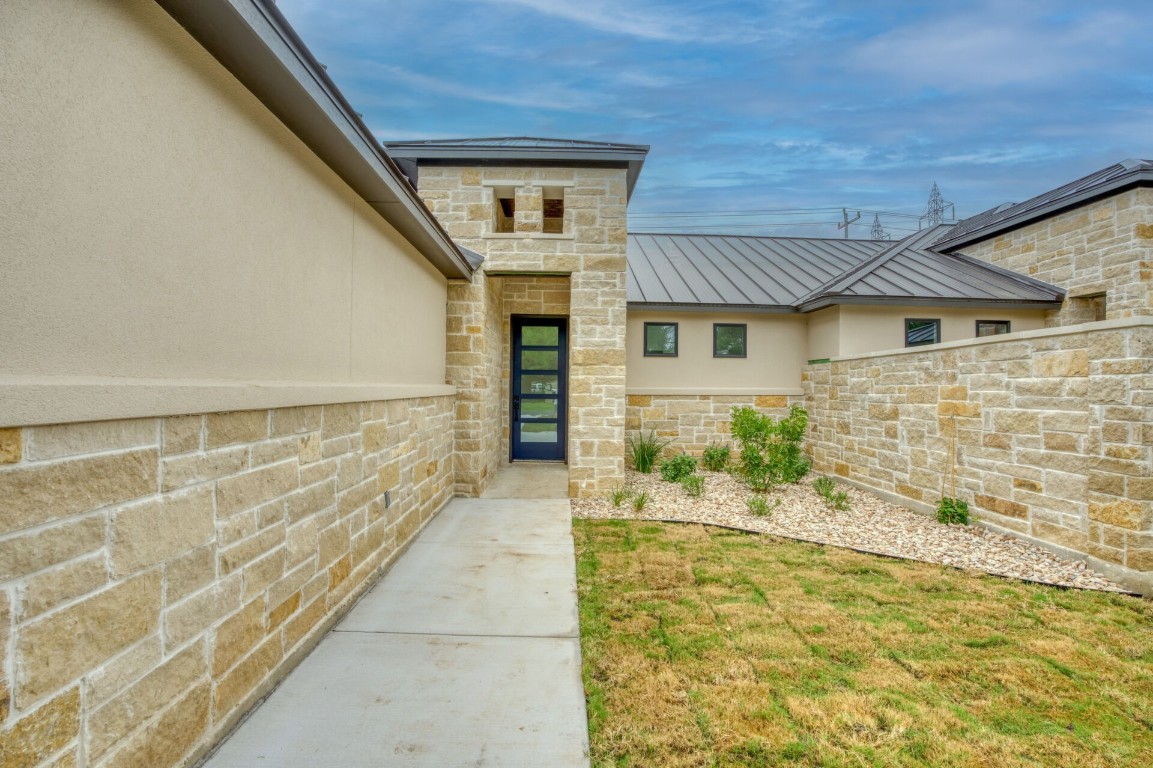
[[693, 422], [591, 253], [158, 575], [1053, 434], [1103, 247]]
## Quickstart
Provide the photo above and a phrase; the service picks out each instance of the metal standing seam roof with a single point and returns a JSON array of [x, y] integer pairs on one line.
[[1115, 178], [776, 274], [909, 271], [728, 271]]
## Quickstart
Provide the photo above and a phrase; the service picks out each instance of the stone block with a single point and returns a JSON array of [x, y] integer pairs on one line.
[[251, 489], [62, 440], [30, 552], [772, 401], [389, 476], [881, 412], [1027, 485], [45, 590], [310, 501], [339, 420], [1060, 441], [642, 401], [237, 635], [252, 548], [190, 617], [1017, 422], [42, 732], [1131, 515], [296, 421], [60, 647], [144, 534], [1002, 506], [11, 444], [963, 409], [111, 678], [38, 493], [181, 434], [235, 427]]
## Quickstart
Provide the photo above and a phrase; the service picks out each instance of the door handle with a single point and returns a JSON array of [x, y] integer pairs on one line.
[[516, 407]]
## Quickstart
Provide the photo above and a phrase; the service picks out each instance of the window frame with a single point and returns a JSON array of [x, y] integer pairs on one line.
[[676, 340], [1006, 323], [936, 321], [744, 340]]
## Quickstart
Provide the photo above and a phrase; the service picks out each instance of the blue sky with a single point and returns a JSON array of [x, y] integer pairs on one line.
[[766, 105]]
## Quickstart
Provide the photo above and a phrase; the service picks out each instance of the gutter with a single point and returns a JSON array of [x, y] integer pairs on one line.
[[253, 41]]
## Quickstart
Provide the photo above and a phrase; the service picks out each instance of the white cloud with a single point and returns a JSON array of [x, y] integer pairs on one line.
[[541, 95]]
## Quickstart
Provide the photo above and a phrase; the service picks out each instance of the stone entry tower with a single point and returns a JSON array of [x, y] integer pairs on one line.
[[549, 219]]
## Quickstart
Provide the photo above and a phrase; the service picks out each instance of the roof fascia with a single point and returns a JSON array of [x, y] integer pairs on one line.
[[1139, 178], [253, 41], [824, 302], [743, 309]]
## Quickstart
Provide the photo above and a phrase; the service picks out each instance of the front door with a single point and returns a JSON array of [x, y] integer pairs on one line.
[[538, 407]]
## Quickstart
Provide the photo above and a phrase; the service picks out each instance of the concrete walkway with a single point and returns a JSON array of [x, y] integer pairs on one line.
[[466, 653]]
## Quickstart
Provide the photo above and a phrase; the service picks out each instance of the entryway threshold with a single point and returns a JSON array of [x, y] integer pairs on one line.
[[529, 480]]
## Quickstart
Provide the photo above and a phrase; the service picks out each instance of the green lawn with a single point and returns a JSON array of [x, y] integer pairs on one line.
[[704, 647]]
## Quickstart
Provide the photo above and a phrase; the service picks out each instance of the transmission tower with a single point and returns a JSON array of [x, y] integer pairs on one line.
[[878, 232], [935, 210]]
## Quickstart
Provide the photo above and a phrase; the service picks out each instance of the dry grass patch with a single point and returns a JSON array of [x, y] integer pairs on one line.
[[709, 647]]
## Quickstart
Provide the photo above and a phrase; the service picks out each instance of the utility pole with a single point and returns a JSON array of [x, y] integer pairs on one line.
[[878, 232], [848, 221]]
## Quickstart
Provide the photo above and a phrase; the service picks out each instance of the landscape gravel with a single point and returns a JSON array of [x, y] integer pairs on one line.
[[869, 525]]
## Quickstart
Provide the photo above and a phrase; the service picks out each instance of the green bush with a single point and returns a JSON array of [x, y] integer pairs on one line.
[[770, 450], [824, 486], [694, 485], [675, 468], [839, 500], [952, 511], [827, 488], [760, 506], [644, 450], [619, 493], [716, 457]]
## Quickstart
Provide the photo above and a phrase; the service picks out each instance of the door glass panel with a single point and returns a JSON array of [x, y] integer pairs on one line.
[[538, 384], [540, 335], [531, 432], [539, 360], [538, 408]]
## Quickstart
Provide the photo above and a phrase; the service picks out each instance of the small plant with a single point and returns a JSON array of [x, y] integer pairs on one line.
[[644, 450], [640, 500], [618, 494], [827, 488], [952, 511], [676, 468], [760, 506], [716, 457], [824, 486], [694, 485]]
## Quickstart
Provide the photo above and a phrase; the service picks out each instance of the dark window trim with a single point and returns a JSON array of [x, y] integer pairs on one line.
[[977, 327], [745, 329], [935, 320], [676, 341]]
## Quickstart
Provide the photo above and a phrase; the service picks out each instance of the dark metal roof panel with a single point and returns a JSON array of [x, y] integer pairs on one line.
[[728, 270], [1009, 216]]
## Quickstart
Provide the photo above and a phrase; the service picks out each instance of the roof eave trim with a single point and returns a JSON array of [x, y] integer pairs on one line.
[[746, 309], [824, 302], [1142, 178], [253, 41]]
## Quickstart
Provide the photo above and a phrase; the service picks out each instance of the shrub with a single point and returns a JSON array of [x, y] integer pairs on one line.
[[676, 468], [640, 500], [952, 511], [827, 488], [839, 501], [716, 457], [694, 485], [770, 450], [824, 486], [619, 493], [644, 450]]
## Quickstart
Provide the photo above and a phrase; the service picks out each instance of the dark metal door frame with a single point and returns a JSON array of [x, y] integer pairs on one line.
[[531, 391]]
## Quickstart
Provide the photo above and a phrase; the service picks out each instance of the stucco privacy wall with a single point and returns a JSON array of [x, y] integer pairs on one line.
[[166, 239], [158, 575], [1103, 247], [1052, 433], [591, 253]]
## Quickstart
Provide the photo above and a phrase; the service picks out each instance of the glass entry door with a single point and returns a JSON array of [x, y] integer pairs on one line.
[[538, 407]]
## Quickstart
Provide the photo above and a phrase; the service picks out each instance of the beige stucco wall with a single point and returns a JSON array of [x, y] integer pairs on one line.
[[824, 333], [158, 225], [1103, 247], [776, 346], [865, 329]]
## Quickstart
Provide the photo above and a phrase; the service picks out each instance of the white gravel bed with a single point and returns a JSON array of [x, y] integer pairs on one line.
[[870, 525]]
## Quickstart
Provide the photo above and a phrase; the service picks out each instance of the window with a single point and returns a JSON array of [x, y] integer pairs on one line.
[[553, 202], [919, 332], [660, 339], [729, 340], [504, 209], [992, 327]]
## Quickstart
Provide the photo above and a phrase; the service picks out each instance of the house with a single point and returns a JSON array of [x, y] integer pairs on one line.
[[248, 353]]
